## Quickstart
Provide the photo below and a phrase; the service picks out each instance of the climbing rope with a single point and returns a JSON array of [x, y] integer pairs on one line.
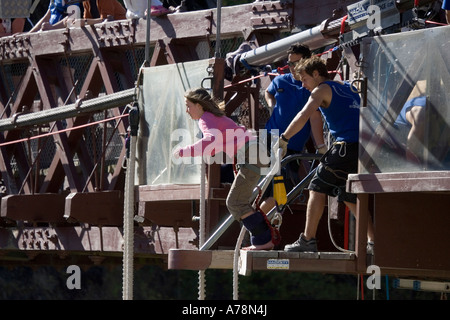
[[128, 217], [236, 258], [202, 231]]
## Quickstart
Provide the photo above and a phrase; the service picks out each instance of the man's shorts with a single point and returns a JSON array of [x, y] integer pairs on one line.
[[333, 169]]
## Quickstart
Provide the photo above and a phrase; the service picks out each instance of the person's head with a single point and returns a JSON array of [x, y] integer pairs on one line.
[[295, 53], [312, 72], [199, 100]]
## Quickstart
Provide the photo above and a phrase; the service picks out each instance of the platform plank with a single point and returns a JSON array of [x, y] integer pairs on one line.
[[424, 181], [180, 259], [262, 260], [45, 207]]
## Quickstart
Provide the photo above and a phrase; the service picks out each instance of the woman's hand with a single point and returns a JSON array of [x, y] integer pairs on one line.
[[176, 153]]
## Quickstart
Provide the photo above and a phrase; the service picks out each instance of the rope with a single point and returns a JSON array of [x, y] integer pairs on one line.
[[438, 23], [202, 231], [104, 152], [61, 131], [329, 210], [362, 286], [201, 285], [236, 256], [250, 79], [202, 202], [128, 226], [331, 235], [147, 36]]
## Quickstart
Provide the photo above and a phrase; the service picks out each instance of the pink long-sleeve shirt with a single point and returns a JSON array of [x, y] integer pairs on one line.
[[220, 134]]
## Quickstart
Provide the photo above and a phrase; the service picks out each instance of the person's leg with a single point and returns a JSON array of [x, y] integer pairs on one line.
[[158, 9], [267, 205], [260, 231], [321, 185], [239, 206], [314, 211], [307, 239]]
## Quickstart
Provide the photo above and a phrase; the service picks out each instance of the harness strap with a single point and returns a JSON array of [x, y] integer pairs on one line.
[[274, 229]]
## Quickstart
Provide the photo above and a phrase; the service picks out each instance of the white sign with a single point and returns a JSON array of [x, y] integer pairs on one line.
[[280, 264]]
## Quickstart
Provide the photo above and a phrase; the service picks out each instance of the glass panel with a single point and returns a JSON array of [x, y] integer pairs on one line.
[[405, 126], [162, 116]]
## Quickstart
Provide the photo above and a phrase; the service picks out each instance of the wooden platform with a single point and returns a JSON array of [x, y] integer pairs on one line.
[[248, 261]]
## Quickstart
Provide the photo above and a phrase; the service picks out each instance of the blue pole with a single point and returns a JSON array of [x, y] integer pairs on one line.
[[387, 287]]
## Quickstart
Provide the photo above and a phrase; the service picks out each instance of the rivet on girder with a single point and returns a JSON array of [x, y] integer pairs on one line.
[[53, 238], [118, 27], [209, 16]]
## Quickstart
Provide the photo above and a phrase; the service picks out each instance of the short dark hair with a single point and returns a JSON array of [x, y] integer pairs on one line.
[[300, 49]]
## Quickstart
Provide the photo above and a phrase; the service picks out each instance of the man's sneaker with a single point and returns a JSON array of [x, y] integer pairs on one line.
[[302, 245]]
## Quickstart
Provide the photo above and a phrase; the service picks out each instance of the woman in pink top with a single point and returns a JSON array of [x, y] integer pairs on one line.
[[222, 134]]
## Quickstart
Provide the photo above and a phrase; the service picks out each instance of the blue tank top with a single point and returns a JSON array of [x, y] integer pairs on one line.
[[290, 98], [342, 115]]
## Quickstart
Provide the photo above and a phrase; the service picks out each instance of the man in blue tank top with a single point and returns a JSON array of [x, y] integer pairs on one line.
[[286, 96], [339, 105]]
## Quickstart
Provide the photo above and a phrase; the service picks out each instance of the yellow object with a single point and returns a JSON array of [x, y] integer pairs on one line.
[[279, 190]]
